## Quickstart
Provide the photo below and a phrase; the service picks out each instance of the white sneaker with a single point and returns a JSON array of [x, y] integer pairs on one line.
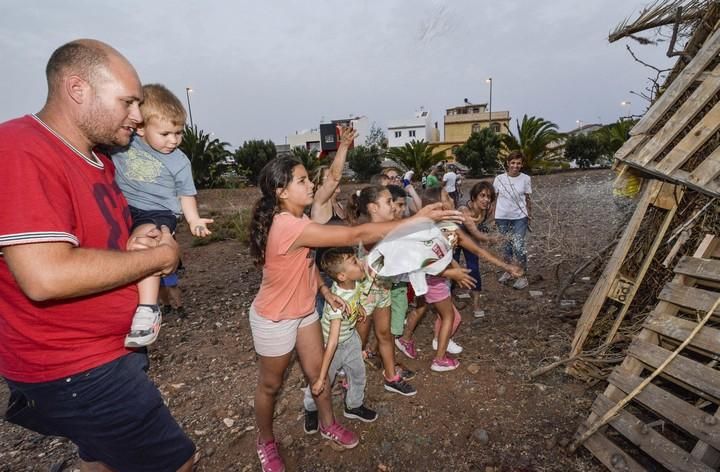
[[505, 277], [453, 347], [145, 327], [521, 283]]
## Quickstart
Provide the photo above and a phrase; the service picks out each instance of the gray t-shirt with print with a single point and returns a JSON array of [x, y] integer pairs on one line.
[[151, 180]]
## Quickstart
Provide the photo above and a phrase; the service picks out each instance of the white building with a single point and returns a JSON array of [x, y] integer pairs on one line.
[[308, 139], [419, 128]]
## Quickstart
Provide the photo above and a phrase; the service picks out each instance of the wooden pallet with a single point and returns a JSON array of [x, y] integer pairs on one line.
[[674, 422], [662, 142], [615, 290]]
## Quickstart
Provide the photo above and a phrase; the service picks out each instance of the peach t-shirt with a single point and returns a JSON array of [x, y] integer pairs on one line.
[[289, 282]]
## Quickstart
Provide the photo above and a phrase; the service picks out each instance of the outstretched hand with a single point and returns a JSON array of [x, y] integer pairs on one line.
[[347, 136], [199, 227], [460, 276], [435, 212]]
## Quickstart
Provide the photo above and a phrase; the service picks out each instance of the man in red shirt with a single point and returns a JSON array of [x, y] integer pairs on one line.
[[67, 292]]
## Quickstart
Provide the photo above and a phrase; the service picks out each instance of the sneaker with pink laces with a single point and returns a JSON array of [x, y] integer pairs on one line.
[[341, 436], [444, 364], [269, 456], [406, 347]]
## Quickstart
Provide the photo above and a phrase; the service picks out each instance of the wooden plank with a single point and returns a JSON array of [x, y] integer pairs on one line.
[[708, 339], [668, 196], [677, 87], [706, 269], [691, 142], [708, 170], [692, 298], [597, 297], [694, 374], [650, 441], [682, 414], [711, 188], [629, 146], [610, 454], [679, 121]]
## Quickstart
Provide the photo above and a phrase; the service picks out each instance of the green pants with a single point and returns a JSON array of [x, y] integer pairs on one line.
[[399, 306]]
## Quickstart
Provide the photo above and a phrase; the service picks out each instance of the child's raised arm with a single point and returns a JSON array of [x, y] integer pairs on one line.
[[321, 210], [328, 355], [198, 226]]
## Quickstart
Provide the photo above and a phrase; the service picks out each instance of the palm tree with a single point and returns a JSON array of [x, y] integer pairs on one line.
[[417, 156], [307, 157], [534, 138], [613, 136], [208, 157]]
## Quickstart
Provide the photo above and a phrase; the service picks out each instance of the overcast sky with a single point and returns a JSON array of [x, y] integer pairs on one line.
[[266, 69]]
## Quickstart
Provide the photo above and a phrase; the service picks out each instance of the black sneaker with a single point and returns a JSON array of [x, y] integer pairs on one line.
[[398, 385], [311, 422], [361, 413], [404, 372]]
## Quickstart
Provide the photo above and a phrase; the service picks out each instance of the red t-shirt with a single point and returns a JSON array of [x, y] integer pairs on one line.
[[50, 193]]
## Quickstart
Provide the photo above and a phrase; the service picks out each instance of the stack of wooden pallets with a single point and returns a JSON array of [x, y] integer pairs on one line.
[[672, 422]]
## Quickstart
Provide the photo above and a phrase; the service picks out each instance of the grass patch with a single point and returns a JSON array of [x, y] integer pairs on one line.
[[227, 226]]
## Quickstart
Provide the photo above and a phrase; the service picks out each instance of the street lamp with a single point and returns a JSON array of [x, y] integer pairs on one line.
[[187, 93], [627, 104], [579, 124], [489, 81]]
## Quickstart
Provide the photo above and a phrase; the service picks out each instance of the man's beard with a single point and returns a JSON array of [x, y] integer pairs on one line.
[[97, 127]]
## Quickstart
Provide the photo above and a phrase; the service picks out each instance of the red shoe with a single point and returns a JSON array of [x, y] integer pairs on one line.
[[269, 456], [406, 347], [341, 436], [445, 364]]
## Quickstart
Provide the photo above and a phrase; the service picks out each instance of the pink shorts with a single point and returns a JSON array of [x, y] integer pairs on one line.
[[276, 338], [438, 289]]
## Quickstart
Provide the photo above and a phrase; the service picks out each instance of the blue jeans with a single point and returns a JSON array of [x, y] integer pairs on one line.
[[514, 248]]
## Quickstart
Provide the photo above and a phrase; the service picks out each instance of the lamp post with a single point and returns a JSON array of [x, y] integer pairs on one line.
[[187, 94], [627, 104], [489, 81], [579, 124]]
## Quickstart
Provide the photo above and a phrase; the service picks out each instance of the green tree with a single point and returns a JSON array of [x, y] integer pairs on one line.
[[584, 149], [612, 136], [534, 139], [307, 157], [365, 161], [208, 157], [376, 137], [252, 156], [417, 156], [480, 152]]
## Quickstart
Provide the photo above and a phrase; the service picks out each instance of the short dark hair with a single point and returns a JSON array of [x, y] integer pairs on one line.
[[432, 195], [333, 259], [396, 191], [82, 57], [515, 155]]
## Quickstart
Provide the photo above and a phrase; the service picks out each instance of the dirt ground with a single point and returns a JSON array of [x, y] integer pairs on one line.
[[485, 416]]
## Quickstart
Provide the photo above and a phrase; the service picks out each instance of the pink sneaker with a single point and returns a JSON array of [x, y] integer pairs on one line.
[[269, 456], [406, 347], [341, 436], [445, 364]]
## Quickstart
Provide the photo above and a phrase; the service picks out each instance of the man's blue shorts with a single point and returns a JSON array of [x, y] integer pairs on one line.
[[113, 413]]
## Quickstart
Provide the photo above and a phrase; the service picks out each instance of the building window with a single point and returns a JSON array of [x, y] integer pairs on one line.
[[398, 134], [411, 133], [476, 127], [330, 138], [495, 127], [476, 110]]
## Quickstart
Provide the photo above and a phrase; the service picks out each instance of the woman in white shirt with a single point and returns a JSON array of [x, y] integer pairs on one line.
[[512, 213]]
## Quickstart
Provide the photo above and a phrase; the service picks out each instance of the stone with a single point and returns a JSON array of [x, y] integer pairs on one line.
[[473, 368], [287, 441], [229, 422], [501, 390], [481, 436], [535, 293]]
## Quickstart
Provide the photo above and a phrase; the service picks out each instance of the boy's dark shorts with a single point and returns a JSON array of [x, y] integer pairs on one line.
[[153, 217], [113, 413]]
